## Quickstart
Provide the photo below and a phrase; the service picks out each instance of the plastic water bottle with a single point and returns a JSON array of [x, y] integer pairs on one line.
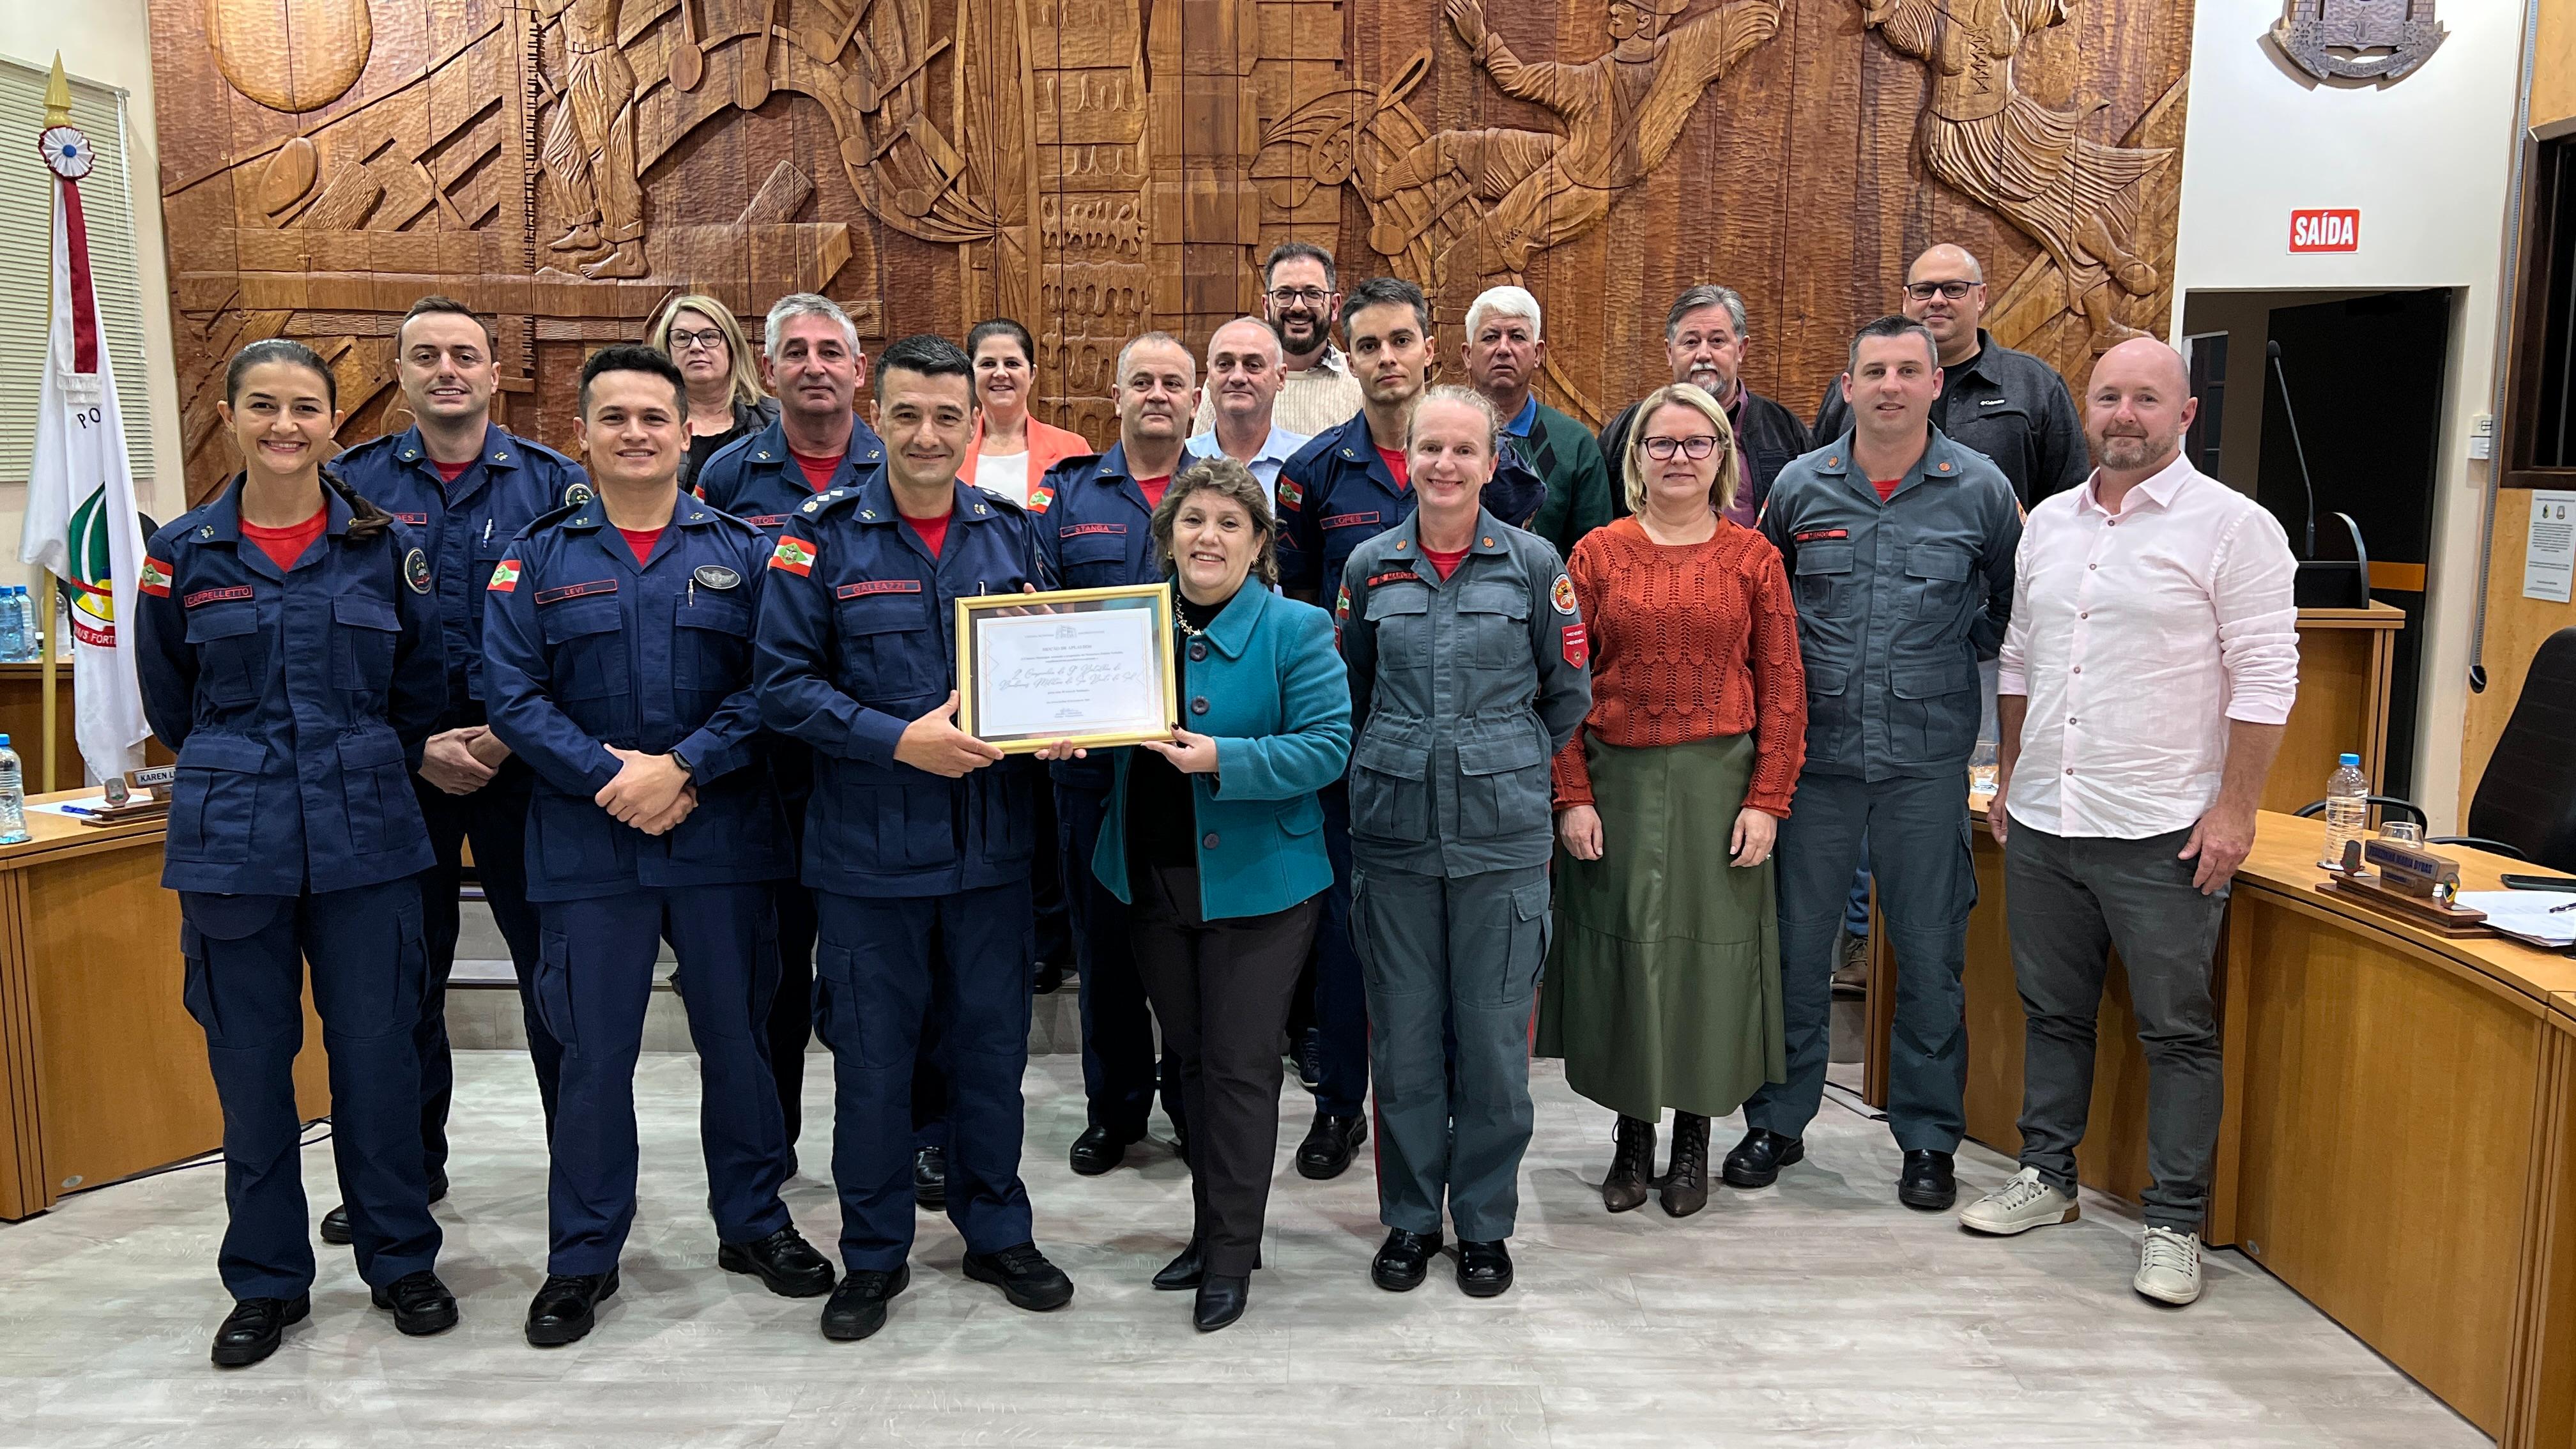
[[31, 629], [13, 797], [13, 628], [2347, 810]]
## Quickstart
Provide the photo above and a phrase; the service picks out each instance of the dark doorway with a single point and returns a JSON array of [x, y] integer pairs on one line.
[[2365, 376]]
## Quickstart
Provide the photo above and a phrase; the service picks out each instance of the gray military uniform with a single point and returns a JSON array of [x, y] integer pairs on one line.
[[1897, 601], [1462, 691]]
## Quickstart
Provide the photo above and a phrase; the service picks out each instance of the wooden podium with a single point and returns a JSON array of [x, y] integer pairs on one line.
[[102, 1072], [2345, 659]]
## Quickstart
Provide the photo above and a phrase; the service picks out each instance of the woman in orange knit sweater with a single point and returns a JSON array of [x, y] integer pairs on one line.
[[1663, 982]]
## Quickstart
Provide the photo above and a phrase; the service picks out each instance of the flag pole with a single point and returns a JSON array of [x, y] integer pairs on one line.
[[45, 611], [58, 112]]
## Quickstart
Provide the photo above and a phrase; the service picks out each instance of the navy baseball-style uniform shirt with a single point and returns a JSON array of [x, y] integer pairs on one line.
[[463, 527], [590, 649], [1337, 494], [1095, 531], [297, 700], [857, 640], [756, 479]]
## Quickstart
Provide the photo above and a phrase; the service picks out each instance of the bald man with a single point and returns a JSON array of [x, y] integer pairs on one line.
[[2146, 675], [2008, 405], [1246, 368]]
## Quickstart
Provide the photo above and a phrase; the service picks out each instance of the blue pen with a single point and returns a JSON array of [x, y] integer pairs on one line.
[[76, 810]]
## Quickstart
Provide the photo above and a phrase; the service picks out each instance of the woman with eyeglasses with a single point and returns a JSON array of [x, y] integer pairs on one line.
[[726, 401], [1663, 980], [1010, 450]]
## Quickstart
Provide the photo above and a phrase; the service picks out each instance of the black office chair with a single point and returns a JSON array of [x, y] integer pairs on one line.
[[2525, 805]]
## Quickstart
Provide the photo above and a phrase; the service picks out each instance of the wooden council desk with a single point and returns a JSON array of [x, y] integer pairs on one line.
[[102, 1071], [2399, 1141]]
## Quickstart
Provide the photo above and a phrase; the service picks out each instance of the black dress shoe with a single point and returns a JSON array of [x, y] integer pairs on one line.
[[930, 1179], [784, 1261], [1484, 1269], [1024, 1275], [858, 1306], [1048, 979], [1185, 1271], [1757, 1160], [1927, 1185], [252, 1330], [1221, 1301], [438, 1186], [1098, 1150], [335, 1226], [421, 1304], [1329, 1145], [565, 1307], [1403, 1259]]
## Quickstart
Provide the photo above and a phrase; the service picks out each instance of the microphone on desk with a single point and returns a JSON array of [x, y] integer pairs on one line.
[[2320, 583]]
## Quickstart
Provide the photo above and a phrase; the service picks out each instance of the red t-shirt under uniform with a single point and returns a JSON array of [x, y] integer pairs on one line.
[[818, 471], [933, 532], [286, 545], [1886, 487], [1695, 641], [640, 541], [1395, 464], [450, 472], [1447, 563], [1155, 488]]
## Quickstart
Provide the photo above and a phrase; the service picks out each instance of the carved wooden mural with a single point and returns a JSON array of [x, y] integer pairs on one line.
[[1096, 168]]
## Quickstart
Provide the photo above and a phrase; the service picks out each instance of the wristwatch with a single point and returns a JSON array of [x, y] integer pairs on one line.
[[682, 761]]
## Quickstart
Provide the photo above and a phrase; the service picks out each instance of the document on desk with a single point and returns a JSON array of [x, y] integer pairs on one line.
[[2526, 915]]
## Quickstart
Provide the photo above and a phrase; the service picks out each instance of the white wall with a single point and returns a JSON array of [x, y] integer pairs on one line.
[[108, 41], [2428, 161]]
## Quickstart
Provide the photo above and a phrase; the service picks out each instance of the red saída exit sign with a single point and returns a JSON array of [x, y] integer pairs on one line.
[[2325, 231]]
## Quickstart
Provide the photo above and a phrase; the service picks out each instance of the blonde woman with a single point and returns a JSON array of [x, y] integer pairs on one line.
[[1663, 980], [726, 401]]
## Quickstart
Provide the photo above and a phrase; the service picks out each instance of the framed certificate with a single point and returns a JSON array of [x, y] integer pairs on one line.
[[1093, 666]]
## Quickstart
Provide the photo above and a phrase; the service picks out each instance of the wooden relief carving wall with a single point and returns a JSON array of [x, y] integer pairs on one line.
[[1099, 167]]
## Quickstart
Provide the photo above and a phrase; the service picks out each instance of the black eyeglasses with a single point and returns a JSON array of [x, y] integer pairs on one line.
[[711, 339], [1695, 449], [1292, 296], [1926, 291]]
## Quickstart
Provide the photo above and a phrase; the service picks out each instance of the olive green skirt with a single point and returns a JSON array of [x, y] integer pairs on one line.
[[1663, 981]]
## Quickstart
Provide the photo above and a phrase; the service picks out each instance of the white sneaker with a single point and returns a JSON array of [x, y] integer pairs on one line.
[[2169, 1266], [2021, 1204]]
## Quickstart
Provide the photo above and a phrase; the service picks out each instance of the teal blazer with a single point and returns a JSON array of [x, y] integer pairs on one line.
[[1271, 690]]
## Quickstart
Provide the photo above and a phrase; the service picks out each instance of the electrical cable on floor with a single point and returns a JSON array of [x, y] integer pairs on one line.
[[209, 1159], [1850, 1101]]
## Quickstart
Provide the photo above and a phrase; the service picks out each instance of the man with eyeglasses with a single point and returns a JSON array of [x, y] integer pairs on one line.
[[2006, 404], [1318, 390], [1705, 341]]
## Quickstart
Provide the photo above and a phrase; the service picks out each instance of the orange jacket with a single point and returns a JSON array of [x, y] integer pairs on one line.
[[1048, 446]]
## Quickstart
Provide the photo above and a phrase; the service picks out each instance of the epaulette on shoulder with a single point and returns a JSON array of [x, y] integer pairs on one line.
[[826, 501], [551, 517], [699, 507]]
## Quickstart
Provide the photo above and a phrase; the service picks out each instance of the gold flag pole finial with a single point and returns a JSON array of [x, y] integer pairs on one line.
[[58, 95]]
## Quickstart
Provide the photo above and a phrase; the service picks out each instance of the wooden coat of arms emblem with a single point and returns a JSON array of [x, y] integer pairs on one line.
[[2381, 40]]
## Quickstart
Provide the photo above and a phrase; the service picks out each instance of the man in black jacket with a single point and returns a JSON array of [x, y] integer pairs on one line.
[[2008, 405], [1705, 342]]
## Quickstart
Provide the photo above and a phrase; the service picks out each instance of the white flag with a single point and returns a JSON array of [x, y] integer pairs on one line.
[[81, 521]]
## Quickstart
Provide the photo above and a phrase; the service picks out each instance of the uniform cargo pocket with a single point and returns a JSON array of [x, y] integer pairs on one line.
[[214, 796], [1503, 784], [1936, 581], [711, 648], [362, 644], [376, 786], [1390, 791], [586, 648], [1932, 713], [888, 649], [232, 652]]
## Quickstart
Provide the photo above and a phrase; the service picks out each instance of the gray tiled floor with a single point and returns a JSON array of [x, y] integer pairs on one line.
[[1817, 1313]]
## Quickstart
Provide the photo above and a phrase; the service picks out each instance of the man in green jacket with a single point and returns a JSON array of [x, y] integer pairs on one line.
[[1505, 351]]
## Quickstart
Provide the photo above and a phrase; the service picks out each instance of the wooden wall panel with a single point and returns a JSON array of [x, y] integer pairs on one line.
[[1098, 167], [2515, 628]]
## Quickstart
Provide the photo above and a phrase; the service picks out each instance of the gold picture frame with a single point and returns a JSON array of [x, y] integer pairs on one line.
[[1113, 687]]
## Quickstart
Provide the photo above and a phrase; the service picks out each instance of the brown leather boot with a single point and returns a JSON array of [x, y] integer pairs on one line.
[[1630, 1165], [1686, 1184]]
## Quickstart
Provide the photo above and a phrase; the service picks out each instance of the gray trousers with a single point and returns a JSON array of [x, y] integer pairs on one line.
[[1915, 835], [2069, 900], [1465, 951]]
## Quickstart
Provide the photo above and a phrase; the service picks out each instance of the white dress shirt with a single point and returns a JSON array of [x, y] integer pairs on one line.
[[2136, 637], [1276, 449]]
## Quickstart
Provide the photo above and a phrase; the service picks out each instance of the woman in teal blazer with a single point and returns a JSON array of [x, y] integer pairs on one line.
[[1216, 841]]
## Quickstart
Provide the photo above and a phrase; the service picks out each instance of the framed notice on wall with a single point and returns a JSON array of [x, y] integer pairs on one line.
[[2549, 558]]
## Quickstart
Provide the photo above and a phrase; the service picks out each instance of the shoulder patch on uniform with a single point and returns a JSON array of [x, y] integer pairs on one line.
[[1578, 645], [154, 579], [1291, 493], [577, 493], [717, 576], [1342, 603], [505, 576], [795, 555], [416, 571], [1562, 595], [1040, 499]]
